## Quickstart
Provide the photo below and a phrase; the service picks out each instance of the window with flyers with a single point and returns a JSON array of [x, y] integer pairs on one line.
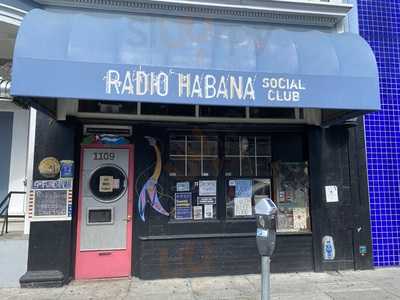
[[193, 172], [247, 168], [223, 176], [291, 194]]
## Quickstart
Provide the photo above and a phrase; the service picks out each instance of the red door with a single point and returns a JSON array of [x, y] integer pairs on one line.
[[105, 212]]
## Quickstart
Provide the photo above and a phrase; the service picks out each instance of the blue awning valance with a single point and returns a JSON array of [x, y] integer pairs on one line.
[[191, 61]]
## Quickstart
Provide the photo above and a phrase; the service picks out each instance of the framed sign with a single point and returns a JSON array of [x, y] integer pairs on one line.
[[50, 205]]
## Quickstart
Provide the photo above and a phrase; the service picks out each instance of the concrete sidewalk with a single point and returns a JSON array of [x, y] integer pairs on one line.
[[366, 285]]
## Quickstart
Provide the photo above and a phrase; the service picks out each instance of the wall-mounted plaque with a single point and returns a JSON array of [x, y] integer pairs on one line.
[[50, 205]]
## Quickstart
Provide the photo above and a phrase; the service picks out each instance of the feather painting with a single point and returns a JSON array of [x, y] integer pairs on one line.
[[149, 193]]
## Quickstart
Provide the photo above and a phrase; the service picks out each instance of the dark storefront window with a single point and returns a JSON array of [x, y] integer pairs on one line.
[[110, 107], [177, 110], [204, 170], [247, 167], [292, 196], [272, 113], [193, 174], [222, 111]]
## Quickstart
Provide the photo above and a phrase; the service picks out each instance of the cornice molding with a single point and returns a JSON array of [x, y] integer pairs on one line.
[[313, 13]]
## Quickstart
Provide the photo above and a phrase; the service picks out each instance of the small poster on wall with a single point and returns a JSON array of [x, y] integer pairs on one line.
[[183, 186], [299, 218], [331, 192], [207, 188], [243, 188], [206, 200], [198, 212], [242, 206], [208, 211], [106, 184], [183, 206]]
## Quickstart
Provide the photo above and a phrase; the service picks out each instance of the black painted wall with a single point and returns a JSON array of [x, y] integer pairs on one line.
[[337, 157], [51, 243], [164, 248]]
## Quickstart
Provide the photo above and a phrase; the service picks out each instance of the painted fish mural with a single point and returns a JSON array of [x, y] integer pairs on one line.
[[149, 194]]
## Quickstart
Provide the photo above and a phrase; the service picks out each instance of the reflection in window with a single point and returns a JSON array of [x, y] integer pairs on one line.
[[193, 156], [247, 156]]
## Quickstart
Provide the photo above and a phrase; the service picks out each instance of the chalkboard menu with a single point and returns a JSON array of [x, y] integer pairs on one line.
[[53, 204]]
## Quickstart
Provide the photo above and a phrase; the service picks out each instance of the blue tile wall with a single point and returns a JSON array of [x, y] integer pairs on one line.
[[380, 26]]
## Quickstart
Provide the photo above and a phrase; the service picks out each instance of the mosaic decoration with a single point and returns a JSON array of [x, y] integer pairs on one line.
[[380, 26]]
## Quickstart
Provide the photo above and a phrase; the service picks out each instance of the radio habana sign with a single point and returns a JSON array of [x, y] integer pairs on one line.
[[203, 87]]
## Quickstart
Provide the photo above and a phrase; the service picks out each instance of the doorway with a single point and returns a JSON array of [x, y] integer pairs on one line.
[[105, 210]]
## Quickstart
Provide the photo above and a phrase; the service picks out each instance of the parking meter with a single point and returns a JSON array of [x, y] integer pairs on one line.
[[266, 214]]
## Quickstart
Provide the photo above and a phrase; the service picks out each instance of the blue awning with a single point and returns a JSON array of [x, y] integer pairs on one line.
[[191, 61]]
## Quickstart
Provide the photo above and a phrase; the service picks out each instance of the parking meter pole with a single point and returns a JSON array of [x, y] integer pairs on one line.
[[266, 214], [265, 278]]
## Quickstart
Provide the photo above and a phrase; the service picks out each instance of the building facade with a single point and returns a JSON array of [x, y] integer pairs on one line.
[[379, 25], [162, 124], [17, 122]]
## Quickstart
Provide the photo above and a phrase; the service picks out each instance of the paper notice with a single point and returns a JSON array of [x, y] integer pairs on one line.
[[106, 184], [299, 218], [207, 187], [198, 212], [208, 212], [116, 183], [243, 188], [242, 206], [331, 192], [183, 186]]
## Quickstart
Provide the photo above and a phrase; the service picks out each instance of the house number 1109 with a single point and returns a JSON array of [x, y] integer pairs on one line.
[[103, 156]]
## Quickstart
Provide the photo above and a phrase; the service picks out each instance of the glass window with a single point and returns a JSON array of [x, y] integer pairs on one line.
[[272, 113], [111, 107], [193, 156], [291, 194], [168, 109], [247, 161], [247, 156], [243, 194], [193, 171]]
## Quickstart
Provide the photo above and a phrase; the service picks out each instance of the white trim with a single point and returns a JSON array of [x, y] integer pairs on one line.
[[30, 161], [299, 12]]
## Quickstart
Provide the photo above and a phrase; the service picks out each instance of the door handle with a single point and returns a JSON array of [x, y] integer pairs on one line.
[[128, 218]]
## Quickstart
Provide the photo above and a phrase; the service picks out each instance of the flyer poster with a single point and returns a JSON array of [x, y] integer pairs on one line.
[[183, 206], [242, 206], [299, 218], [183, 186], [208, 211], [207, 188], [243, 188], [198, 212], [206, 200], [106, 184]]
